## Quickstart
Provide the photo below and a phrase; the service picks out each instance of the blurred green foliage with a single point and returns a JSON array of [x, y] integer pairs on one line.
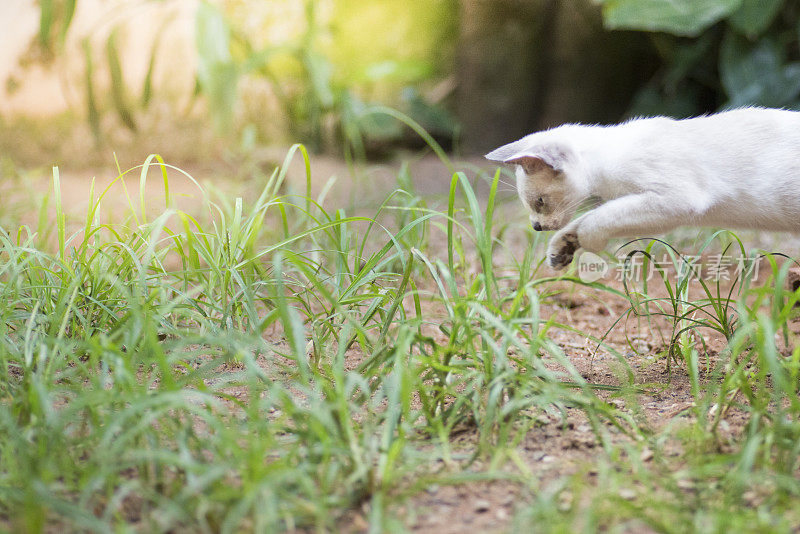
[[392, 42], [55, 17], [327, 76], [324, 63], [716, 53]]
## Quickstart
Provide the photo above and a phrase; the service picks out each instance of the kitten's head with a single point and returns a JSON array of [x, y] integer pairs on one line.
[[542, 181]]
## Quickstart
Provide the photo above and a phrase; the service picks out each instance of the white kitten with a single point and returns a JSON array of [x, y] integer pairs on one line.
[[736, 169]]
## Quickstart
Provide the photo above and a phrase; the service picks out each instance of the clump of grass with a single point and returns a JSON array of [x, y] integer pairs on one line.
[[271, 367], [714, 311], [278, 364], [697, 471]]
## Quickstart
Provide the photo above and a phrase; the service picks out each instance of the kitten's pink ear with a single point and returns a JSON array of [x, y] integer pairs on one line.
[[532, 158], [531, 164]]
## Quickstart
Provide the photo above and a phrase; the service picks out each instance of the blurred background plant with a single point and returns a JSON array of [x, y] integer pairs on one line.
[[715, 53], [473, 73], [318, 65]]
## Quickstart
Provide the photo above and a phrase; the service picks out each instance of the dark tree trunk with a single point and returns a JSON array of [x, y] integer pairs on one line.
[[498, 68], [524, 65]]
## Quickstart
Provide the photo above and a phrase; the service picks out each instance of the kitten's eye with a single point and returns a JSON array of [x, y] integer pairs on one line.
[[538, 203]]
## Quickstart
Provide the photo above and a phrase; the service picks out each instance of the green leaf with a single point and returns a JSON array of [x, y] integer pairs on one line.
[[93, 115], [686, 59], [55, 17], [118, 95], [757, 73], [45, 22], [213, 38], [399, 71], [147, 87], [320, 72], [434, 118], [69, 12], [679, 17], [217, 73], [375, 127], [755, 16], [652, 101]]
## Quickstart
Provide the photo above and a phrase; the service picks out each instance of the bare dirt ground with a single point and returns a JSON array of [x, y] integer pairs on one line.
[[554, 447]]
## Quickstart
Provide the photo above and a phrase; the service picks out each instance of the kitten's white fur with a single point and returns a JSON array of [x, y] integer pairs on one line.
[[735, 169]]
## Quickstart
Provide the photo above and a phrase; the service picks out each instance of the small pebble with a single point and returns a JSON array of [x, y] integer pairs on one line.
[[482, 506]]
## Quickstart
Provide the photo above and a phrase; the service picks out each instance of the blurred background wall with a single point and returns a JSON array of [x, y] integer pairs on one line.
[[199, 79]]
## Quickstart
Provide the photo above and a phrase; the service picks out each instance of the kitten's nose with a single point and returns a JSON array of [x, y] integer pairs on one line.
[[537, 226]]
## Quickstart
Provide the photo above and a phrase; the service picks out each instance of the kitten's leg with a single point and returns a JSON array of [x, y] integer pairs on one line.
[[629, 216]]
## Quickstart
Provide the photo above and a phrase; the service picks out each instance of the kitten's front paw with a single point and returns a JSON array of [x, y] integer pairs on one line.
[[561, 250]]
